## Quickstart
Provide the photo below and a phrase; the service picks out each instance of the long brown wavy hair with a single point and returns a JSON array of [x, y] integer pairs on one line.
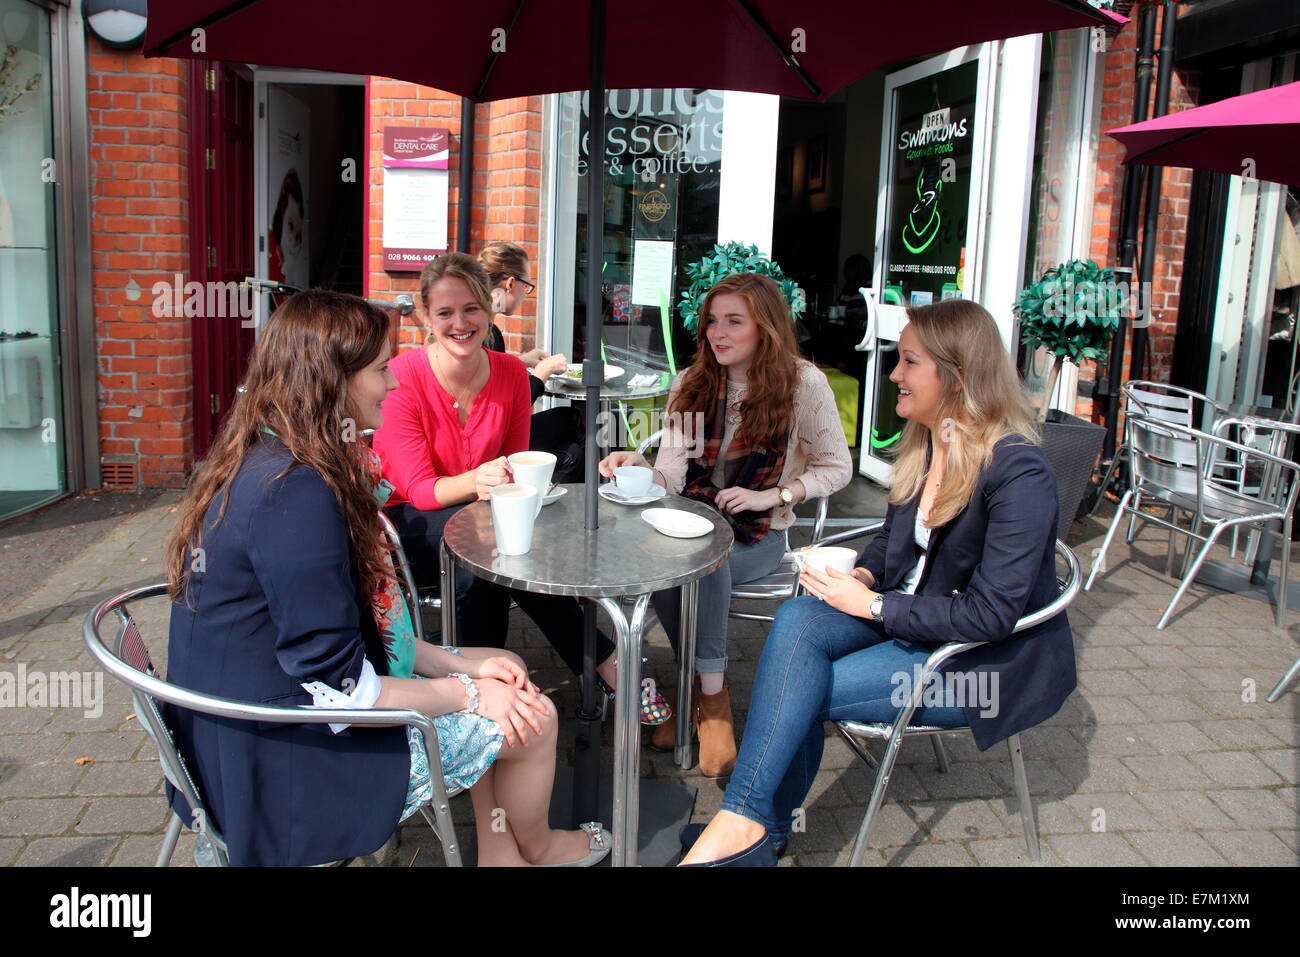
[[983, 403], [768, 407], [297, 387]]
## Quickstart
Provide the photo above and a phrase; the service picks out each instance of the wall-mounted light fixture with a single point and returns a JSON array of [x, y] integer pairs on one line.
[[118, 24]]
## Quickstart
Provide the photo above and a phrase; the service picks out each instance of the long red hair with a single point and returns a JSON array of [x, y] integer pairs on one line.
[[768, 407], [297, 388]]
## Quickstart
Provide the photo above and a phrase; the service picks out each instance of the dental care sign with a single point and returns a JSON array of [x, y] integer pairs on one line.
[[929, 185], [415, 196]]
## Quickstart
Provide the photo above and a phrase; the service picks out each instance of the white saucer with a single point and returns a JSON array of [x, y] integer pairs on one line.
[[612, 493], [677, 523], [555, 496]]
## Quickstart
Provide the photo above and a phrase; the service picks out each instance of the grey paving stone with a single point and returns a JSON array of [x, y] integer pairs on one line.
[[124, 815], [1289, 837], [824, 859], [1288, 795], [944, 854], [141, 850], [820, 833], [121, 778], [1285, 761], [1236, 769], [38, 780], [1110, 683], [1115, 812], [1286, 730], [68, 852], [1011, 852], [895, 824], [1167, 680], [1239, 733], [23, 720], [10, 848], [1111, 740], [1093, 774], [966, 779], [1093, 850], [1044, 778], [38, 816], [1174, 706], [961, 820], [1116, 710], [1162, 656], [1175, 737], [904, 784], [1167, 771], [1109, 657], [1053, 816], [1184, 810], [30, 748], [1252, 809], [1252, 848], [1176, 850], [105, 746]]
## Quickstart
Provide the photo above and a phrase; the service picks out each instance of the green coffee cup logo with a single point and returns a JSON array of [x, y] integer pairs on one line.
[[924, 220]]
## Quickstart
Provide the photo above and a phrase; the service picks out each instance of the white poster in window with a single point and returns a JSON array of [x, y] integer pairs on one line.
[[288, 189], [652, 272]]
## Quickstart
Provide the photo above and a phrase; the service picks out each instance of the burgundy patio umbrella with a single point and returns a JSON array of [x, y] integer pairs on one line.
[[1255, 134]]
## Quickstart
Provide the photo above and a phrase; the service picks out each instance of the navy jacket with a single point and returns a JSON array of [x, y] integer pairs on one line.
[[275, 606], [988, 567]]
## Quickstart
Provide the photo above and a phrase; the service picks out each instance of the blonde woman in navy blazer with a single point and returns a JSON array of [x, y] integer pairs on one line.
[[967, 549]]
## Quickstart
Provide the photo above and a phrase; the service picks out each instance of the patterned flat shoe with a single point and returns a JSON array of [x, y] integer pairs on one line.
[[654, 706], [599, 843]]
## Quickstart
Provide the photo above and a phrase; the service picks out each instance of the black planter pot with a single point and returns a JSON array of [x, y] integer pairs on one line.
[[1071, 446]]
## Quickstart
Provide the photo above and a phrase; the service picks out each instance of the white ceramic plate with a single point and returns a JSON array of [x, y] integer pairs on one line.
[[554, 496], [677, 523], [612, 493], [611, 372]]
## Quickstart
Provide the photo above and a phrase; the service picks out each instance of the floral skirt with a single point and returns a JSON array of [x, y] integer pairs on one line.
[[468, 744]]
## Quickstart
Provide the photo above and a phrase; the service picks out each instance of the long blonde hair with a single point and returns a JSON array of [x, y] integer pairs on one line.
[[983, 403]]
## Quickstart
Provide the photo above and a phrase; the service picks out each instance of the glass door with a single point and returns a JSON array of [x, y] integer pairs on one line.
[[31, 412]]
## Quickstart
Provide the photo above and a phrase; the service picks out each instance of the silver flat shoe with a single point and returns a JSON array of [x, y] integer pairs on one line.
[[599, 841]]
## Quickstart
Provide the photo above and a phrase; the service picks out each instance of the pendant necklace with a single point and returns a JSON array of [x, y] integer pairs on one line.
[[457, 398]]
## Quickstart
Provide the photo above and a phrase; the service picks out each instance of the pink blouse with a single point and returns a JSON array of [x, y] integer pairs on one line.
[[422, 439]]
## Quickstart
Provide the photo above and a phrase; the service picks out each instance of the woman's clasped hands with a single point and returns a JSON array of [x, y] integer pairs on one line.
[[507, 697], [851, 594]]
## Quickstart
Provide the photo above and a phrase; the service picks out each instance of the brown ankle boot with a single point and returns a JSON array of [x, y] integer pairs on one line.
[[664, 737], [716, 730]]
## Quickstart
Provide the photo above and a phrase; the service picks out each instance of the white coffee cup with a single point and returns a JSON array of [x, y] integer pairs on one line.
[[819, 559], [514, 513], [633, 480], [535, 469]]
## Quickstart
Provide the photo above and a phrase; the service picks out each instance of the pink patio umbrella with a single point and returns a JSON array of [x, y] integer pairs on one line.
[[1255, 135]]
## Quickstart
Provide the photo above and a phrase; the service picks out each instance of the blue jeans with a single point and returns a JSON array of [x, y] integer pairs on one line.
[[818, 665], [713, 601]]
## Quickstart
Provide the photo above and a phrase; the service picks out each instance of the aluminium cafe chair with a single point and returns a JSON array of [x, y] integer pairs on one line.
[[1174, 465], [857, 733], [130, 662]]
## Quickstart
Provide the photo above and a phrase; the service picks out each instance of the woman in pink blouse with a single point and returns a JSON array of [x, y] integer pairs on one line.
[[753, 430], [459, 412]]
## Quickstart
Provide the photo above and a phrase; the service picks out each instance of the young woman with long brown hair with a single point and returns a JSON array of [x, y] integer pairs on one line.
[[770, 437], [967, 548], [285, 593]]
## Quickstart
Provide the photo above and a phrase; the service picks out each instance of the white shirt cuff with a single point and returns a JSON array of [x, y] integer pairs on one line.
[[363, 696]]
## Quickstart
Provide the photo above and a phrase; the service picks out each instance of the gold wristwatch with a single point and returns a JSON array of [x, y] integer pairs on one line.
[[786, 496]]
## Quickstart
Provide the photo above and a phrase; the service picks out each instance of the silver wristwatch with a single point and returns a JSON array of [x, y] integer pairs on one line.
[[877, 606], [471, 691]]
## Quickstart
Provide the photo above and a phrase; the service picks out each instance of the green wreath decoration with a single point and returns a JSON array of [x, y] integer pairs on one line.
[[727, 259]]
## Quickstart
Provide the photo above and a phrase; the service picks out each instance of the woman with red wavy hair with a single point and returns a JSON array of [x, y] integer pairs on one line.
[[753, 430]]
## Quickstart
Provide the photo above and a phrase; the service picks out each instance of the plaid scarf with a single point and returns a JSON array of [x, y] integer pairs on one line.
[[745, 465]]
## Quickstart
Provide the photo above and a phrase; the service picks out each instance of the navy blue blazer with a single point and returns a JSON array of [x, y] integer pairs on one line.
[[986, 568], [275, 606]]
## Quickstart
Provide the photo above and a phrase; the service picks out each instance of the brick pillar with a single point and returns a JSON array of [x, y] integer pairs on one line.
[[140, 223]]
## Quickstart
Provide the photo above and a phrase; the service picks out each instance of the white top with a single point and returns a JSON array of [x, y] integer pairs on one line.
[[920, 535], [817, 454]]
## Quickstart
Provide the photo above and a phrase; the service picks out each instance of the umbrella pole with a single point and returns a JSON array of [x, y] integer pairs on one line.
[[586, 745]]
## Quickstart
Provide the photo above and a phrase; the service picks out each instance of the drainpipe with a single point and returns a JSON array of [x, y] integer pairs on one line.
[[466, 192], [1128, 223], [1150, 225]]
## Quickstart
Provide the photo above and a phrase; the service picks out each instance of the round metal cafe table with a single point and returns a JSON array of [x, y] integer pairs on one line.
[[623, 557]]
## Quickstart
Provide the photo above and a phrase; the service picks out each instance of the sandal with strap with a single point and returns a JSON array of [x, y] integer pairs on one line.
[[655, 709]]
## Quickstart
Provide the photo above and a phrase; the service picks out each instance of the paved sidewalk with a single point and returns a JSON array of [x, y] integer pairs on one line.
[[1166, 755]]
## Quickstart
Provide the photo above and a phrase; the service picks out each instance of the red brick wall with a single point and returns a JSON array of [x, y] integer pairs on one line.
[[1175, 192], [139, 231], [506, 189]]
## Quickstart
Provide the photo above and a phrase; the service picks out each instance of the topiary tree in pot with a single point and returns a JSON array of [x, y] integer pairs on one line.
[[1072, 310]]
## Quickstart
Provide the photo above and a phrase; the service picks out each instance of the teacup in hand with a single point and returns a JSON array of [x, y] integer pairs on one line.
[[633, 480], [820, 559]]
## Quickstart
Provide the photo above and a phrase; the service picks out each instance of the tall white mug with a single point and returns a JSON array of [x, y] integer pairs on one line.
[[535, 469], [514, 513]]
